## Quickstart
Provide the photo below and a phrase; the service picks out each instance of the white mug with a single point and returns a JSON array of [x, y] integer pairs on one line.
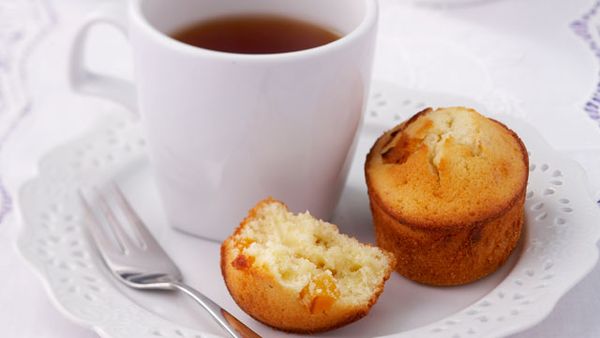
[[226, 130]]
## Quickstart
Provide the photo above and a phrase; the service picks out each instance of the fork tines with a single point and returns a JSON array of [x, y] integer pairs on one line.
[[115, 216]]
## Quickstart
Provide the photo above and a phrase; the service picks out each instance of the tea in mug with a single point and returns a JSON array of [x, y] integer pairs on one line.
[[255, 34]]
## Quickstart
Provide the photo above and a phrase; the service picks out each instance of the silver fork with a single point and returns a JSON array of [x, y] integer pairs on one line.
[[141, 263]]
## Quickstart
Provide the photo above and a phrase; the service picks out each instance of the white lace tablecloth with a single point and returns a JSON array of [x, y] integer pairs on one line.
[[535, 59]]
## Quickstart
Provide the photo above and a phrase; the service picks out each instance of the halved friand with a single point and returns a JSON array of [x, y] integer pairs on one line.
[[299, 274]]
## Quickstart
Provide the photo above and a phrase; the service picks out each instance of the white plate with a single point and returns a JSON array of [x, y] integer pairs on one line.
[[557, 249]]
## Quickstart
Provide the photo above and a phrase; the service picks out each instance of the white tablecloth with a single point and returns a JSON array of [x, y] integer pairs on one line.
[[536, 59]]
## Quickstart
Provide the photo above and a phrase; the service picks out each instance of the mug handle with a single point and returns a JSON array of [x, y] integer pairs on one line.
[[86, 82]]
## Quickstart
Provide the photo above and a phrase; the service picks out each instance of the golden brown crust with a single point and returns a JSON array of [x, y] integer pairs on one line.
[[438, 257], [491, 212], [260, 295], [446, 251]]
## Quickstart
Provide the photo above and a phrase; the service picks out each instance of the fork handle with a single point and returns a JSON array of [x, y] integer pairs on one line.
[[226, 320]]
